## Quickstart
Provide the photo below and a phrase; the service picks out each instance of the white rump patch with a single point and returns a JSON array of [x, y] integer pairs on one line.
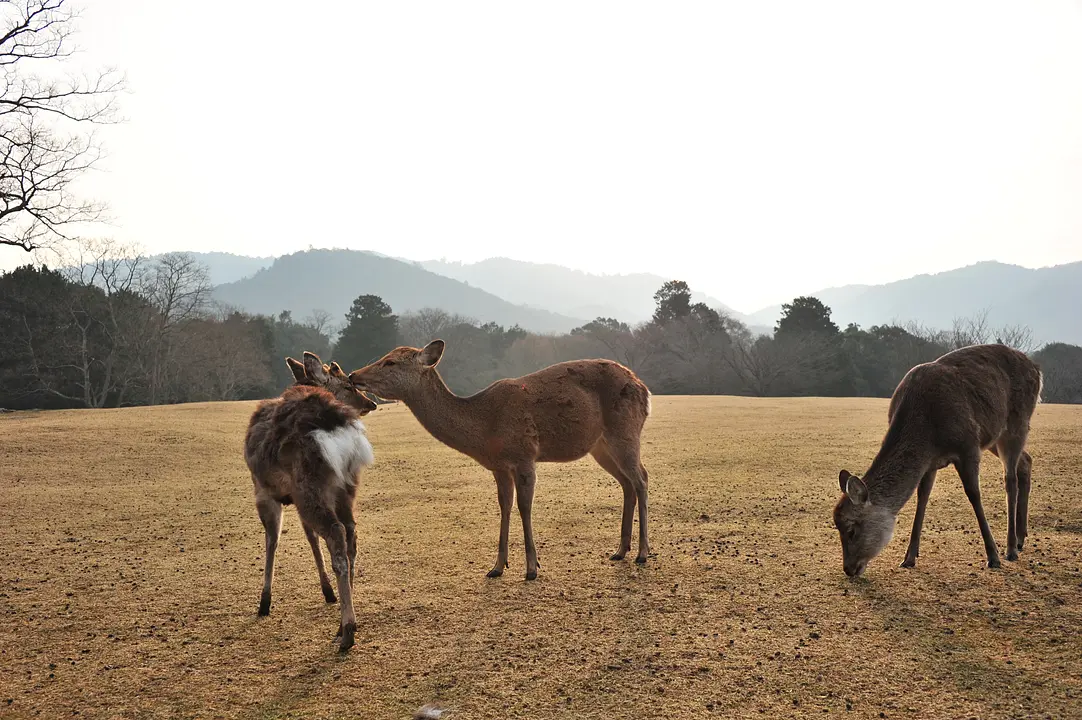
[[1040, 387], [649, 403], [346, 450]]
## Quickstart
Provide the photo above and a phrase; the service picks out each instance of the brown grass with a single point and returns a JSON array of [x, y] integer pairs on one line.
[[133, 560]]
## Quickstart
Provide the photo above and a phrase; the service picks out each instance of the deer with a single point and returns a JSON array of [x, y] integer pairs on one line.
[[306, 448], [558, 414], [945, 412]]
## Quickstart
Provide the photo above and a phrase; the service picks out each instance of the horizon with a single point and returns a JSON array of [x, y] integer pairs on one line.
[[732, 306], [747, 312], [753, 154]]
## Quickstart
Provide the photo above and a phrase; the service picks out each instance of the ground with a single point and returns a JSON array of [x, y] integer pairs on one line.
[[133, 556]]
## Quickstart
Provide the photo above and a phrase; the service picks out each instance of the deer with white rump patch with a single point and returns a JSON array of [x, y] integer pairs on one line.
[[558, 414], [943, 413], [306, 448]]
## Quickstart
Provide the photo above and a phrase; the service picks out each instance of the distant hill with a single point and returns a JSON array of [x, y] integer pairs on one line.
[[629, 298], [552, 298], [227, 267], [1047, 300], [331, 279]]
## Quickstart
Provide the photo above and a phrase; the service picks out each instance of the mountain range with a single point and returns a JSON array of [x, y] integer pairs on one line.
[[629, 298], [1046, 300], [552, 298], [331, 279]]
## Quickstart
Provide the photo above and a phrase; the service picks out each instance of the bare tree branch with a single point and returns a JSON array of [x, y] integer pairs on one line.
[[43, 148]]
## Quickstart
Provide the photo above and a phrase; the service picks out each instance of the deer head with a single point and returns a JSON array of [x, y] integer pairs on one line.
[[865, 528], [399, 374], [331, 378]]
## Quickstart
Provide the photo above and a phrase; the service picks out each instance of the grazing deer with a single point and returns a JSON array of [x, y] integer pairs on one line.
[[945, 412], [305, 448], [558, 414]]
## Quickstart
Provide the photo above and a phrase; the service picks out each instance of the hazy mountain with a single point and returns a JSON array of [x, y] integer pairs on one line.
[[629, 298], [331, 279], [227, 267], [552, 298], [1047, 300]]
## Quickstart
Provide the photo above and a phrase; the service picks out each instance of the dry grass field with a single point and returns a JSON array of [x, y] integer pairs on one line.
[[132, 564]]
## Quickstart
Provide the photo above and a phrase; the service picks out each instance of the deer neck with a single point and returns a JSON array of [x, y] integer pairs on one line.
[[447, 417], [896, 472]]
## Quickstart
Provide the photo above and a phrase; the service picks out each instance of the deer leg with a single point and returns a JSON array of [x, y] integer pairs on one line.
[[969, 469], [324, 581], [525, 478], [1025, 467], [924, 491], [270, 513], [505, 488], [626, 455], [1010, 454], [344, 511], [324, 521], [604, 459], [641, 492]]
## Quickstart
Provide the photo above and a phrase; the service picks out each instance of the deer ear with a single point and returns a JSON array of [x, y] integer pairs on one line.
[[297, 368], [843, 479], [313, 367], [430, 356], [856, 490], [336, 371]]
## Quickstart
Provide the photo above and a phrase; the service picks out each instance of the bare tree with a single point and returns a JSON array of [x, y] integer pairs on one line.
[[320, 321], [220, 358], [428, 323], [770, 365], [628, 346], [973, 330], [103, 327], [758, 364], [43, 145], [178, 287], [1018, 337]]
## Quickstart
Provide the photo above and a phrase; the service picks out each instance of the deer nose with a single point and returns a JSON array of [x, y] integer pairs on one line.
[[855, 569]]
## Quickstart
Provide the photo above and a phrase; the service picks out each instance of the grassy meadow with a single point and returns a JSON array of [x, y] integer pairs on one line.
[[132, 564]]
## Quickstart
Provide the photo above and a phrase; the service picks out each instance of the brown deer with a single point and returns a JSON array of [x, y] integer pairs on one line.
[[305, 448], [558, 414], [942, 413]]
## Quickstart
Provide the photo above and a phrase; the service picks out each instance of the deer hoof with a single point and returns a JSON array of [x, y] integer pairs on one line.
[[531, 575], [1021, 542], [640, 560], [994, 564], [1012, 555], [264, 606], [348, 632], [495, 572], [909, 562], [328, 595], [618, 556]]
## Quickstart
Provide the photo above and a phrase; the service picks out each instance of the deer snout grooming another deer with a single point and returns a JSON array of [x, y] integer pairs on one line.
[[306, 448], [558, 414], [943, 413]]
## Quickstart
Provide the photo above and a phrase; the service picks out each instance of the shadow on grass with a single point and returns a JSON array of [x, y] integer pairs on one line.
[[931, 628]]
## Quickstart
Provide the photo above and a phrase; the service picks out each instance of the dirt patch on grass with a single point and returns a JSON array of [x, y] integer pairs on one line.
[[133, 564]]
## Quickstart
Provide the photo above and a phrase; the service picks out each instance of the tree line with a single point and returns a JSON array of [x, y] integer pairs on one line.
[[114, 329]]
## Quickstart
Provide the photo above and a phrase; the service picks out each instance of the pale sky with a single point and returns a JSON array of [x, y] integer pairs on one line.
[[755, 149]]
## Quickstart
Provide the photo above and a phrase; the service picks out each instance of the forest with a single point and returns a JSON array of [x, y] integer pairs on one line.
[[111, 329]]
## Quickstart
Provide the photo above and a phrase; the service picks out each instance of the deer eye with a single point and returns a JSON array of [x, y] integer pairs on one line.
[[388, 363]]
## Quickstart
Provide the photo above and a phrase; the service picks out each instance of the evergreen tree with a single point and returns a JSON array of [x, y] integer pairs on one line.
[[371, 331], [806, 315]]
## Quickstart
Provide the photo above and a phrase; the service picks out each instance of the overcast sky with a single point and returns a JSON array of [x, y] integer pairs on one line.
[[755, 149]]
